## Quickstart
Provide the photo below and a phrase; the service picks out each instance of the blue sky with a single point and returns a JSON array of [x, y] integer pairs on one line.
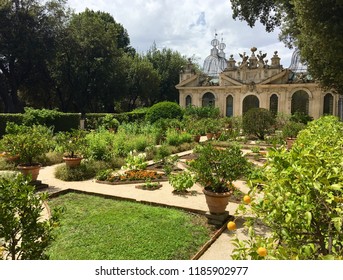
[[187, 26]]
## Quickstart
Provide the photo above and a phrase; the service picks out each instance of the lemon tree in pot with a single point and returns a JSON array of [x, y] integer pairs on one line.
[[30, 143], [216, 170], [72, 144]]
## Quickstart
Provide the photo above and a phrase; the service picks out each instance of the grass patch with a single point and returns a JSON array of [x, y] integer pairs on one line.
[[97, 228]]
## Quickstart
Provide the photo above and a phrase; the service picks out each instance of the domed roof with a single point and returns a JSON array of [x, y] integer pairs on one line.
[[216, 62]]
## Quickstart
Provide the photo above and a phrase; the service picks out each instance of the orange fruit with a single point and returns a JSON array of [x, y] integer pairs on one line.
[[262, 251], [246, 199], [231, 225]]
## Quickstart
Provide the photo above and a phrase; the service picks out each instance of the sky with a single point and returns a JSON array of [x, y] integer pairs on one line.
[[187, 26]]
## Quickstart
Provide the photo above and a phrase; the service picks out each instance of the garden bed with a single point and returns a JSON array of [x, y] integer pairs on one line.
[[133, 177]]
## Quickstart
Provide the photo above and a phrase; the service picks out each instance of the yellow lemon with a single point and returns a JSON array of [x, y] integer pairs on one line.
[[262, 251], [231, 225], [246, 199]]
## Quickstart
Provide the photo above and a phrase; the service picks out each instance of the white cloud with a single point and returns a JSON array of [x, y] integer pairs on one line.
[[186, 26]]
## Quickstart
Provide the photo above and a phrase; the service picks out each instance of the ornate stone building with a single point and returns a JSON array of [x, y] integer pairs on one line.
[[253, 82]]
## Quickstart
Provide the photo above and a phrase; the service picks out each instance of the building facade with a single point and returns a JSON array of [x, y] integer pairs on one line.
[[253, 82]]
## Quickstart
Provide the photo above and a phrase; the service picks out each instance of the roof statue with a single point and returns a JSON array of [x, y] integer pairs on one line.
[[216, 62]]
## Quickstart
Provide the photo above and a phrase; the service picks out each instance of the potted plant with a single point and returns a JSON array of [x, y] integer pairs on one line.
[[290, 131], [215, 170], [72, 144], [30, 143]]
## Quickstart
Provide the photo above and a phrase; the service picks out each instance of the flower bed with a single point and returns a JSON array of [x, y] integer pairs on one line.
[[133, 176]]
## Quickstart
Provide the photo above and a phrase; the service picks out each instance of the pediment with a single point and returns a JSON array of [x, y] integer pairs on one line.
[[190, 82], [280, 78], [228, 81]]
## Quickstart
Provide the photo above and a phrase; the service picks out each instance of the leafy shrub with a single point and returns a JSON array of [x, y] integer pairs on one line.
[[181, 181], [110, 122], [291, 129], [176, 138], [258, 122], [195, 112], [302, 200], [85, 171], [100, 145], [23, 233], [301, 117], [164, 110], [135, 161]]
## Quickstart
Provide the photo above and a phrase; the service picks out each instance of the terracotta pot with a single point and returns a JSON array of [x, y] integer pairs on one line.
[[290, 142], [216, 202], [197, 138], [209, 136], [10, 158], [32, 170], [72, 161]]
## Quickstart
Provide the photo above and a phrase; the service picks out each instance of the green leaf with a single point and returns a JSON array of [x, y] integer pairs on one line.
[[335, 187], [337, 221], [308, 217]]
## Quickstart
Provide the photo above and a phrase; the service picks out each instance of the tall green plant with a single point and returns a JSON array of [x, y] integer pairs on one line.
[[301, 203], [23, 233]]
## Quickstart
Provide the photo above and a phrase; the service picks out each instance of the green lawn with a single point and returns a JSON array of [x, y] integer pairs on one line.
[[97, 228]]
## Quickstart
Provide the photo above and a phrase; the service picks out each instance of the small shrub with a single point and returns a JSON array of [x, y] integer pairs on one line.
[[164, 110], [109, 122], [181, 181], [85, 171]]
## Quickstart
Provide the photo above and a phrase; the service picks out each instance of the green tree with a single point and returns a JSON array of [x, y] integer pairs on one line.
[[90, 74], [259, 122], [168, 64], [313, 26], [23, 233], [28, 32], [142, 82]]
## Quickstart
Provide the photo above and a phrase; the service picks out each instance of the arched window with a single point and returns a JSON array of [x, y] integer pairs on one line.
[[208, 99], [328, 104], [229, 106], [300, 102], [188, 100], [274, 104], [249, 102]]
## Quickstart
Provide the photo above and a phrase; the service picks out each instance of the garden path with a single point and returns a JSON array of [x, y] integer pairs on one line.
[[221, 249]]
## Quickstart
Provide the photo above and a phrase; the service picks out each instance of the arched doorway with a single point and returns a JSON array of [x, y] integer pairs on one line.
[[229, 106], [249, 102], [188, 100], [328, 104], [208, 99], [300, 102], [274, 104]]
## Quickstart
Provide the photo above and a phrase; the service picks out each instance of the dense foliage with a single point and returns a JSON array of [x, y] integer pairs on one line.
[[23, 233], [164, 110], [101, 72], [259, 122], [301, 202]]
